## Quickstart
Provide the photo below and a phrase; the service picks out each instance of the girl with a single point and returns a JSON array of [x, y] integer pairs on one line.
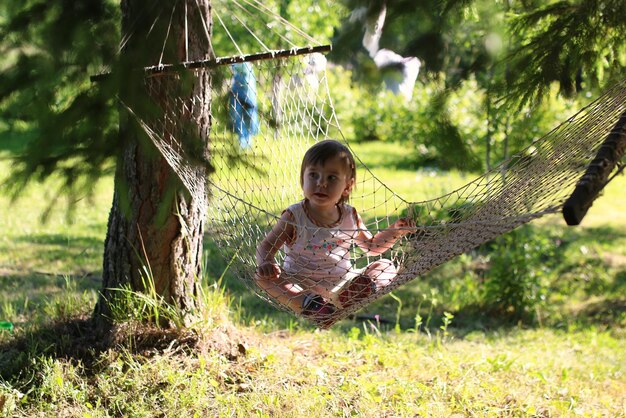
[[317, 276]]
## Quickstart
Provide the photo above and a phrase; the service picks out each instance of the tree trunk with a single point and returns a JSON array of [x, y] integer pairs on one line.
[[156, 225]]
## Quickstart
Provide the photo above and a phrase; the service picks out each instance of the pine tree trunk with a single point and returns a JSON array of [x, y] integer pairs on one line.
[[156, 225]]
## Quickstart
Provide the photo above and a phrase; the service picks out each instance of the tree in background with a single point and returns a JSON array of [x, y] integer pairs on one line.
[[64, 124]]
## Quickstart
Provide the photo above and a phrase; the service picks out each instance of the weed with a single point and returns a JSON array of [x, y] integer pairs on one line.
[[398, 311], [447, 320]]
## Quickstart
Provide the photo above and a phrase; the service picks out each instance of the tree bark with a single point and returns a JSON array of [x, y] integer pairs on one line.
[[156, 225]]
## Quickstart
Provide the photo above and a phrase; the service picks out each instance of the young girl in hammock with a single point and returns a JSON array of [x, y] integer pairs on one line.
[[317, 276]]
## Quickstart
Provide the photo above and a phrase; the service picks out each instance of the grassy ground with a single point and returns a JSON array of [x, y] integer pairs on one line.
[[436, 356]]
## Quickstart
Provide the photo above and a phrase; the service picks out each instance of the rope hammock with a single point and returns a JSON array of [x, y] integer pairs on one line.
[[266, 113]]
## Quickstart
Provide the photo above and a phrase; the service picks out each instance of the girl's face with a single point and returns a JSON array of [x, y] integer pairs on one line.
[[325, 185]]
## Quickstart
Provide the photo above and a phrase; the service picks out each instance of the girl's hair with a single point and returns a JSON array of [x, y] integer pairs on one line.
[[325, 150]]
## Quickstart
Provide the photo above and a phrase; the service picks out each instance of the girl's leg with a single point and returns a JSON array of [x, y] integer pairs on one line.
[[382, 272], [325, 287], [373, 277], [291, 291], [284, 292]]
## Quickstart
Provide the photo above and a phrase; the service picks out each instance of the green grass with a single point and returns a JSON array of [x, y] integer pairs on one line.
[[434, 353], [390, 164]]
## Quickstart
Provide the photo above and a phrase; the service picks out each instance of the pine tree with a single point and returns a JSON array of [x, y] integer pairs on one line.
[[155, 228], [573, 43]]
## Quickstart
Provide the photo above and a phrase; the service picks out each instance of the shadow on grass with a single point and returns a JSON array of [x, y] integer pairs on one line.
[[607, 312], [36, 288], [404, 162], [427, 315], [53, 254], [49, 265], [62, 241], [603, 235], [93, 346], [75, 339]]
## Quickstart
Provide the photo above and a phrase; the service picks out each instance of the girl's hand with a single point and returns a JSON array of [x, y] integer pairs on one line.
[[405, 225], [268, 271]]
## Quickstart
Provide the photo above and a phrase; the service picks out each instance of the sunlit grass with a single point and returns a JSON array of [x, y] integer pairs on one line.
[[60, 244], [412, 184], [609, 207], [520, 373]]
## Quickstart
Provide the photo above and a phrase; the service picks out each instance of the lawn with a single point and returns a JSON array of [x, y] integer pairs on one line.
[[431, 352]]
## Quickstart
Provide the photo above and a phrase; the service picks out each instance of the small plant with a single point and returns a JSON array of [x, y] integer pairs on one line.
[[397, 327], [515, 284], [447, 320], [443, 333], [500, 362], [419, 319], [68, 306]]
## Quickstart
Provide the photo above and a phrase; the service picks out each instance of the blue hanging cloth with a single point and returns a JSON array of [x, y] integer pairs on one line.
[[244, 112]]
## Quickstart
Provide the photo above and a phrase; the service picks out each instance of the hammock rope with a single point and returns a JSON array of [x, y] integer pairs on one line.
[[252, 184]]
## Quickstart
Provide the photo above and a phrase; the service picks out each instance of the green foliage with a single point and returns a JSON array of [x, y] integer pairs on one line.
[[462, 128], [423, 123], [50, 48], [492, 131], [317, 18], [495, 66], [574, 43], [516, 282], [244, 27]]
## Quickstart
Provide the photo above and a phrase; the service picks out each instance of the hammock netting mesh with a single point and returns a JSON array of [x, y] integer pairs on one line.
[[265, 114]]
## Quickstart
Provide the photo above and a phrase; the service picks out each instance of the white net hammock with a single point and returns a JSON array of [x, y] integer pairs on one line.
[[268, 109]]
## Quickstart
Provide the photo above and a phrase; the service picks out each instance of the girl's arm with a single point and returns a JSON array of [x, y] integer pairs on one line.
[[281, 232], [384, 239], [268, 271]]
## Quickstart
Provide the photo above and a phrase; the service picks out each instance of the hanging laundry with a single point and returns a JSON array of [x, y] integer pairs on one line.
[[244, 112], [399, 73]]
